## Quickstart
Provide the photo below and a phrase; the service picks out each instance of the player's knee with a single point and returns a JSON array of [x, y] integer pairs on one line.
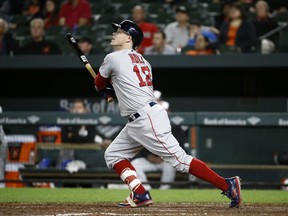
[[181, 168], [183, 163]]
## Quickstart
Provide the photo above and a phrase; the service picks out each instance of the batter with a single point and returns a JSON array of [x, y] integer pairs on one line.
[[148, 125]]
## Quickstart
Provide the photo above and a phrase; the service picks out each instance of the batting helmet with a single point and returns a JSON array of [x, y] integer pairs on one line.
[[132, 29]]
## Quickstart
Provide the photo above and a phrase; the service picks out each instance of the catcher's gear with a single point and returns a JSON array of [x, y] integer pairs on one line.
[[131, 29]]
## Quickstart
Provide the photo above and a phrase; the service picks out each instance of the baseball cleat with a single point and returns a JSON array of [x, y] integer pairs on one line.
[[234, 191], [135, 200]]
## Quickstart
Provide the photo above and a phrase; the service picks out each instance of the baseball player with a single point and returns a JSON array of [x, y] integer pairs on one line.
[[148, 125]]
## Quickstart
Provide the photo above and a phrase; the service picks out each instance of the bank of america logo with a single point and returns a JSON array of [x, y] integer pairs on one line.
[[254, 120], [104, 119], [33, 119]]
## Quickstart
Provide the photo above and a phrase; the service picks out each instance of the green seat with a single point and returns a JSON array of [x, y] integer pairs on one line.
[[22, 34], [51, 154], [126, 9], [187, 48], [161, 18], [19, 20], [101, 7], [22, 31], [83, 31], [283, 41], [224, 49], [156, 8], [214, 7], [55, 30], [282, 17], [63, 44], [92, 158]]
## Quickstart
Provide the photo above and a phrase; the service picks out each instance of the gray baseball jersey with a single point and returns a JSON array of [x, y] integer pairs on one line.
[[131, 77]]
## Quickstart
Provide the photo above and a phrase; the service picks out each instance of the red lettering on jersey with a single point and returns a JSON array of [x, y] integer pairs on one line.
[[135, 58], [141, 59], [132, 57]]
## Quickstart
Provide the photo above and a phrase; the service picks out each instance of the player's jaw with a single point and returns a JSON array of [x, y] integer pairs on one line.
[[119, 39]]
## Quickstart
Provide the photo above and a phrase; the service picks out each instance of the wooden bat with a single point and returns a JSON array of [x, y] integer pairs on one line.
[[72, 42]]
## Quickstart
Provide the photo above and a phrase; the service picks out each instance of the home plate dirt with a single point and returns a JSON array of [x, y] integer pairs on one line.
[[161, 209]]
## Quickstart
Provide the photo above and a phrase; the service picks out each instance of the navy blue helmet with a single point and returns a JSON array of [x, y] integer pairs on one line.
[[131, 29]]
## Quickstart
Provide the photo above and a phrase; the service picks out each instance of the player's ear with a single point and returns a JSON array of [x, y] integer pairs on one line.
[[129, 39]]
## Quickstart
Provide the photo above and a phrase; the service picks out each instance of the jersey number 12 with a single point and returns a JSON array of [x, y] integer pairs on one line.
[[144, 71]]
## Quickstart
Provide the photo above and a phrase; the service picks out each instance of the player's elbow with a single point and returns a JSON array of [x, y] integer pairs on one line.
[[99, 82]]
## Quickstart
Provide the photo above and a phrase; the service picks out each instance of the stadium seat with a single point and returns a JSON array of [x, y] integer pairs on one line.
[[19, 19], [187, 48], [126, 9], [64, 46], [22, 34], [282, 17], [22, 31], [214, 8], [55, 30], [92, 158], [283, 41], [84, 31]]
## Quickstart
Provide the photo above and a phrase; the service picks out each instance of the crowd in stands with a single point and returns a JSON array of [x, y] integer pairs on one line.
[[189, 27]]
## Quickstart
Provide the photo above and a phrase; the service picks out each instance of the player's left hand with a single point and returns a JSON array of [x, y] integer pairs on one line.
[[107, 93]]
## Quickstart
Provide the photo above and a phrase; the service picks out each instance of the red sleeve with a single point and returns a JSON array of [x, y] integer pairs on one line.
[[100, 82]]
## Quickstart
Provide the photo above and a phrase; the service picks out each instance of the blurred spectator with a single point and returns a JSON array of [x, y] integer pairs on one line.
[[223, 14], [33, 10], [51, 13], [139, 16], [278, 6], [238, 34], [16, 6], [196, 29], [75, 13], [146, 161], [77, 134], [38, 44], [159, 45], [5, 9], [8, 45], [86, 45], [264, 22], [10, 9], [177, 33], [203, 46]]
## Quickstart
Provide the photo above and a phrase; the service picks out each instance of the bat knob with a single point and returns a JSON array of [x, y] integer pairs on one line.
[[110, 99], [68, 34]]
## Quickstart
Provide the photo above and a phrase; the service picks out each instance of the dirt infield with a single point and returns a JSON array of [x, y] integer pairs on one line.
[[171, 209]]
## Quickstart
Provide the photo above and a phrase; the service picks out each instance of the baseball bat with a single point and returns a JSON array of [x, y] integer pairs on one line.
[[72, 42]]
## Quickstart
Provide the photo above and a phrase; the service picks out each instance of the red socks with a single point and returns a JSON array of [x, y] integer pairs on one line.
[[202, 171], [123, 165], [197, 168]]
